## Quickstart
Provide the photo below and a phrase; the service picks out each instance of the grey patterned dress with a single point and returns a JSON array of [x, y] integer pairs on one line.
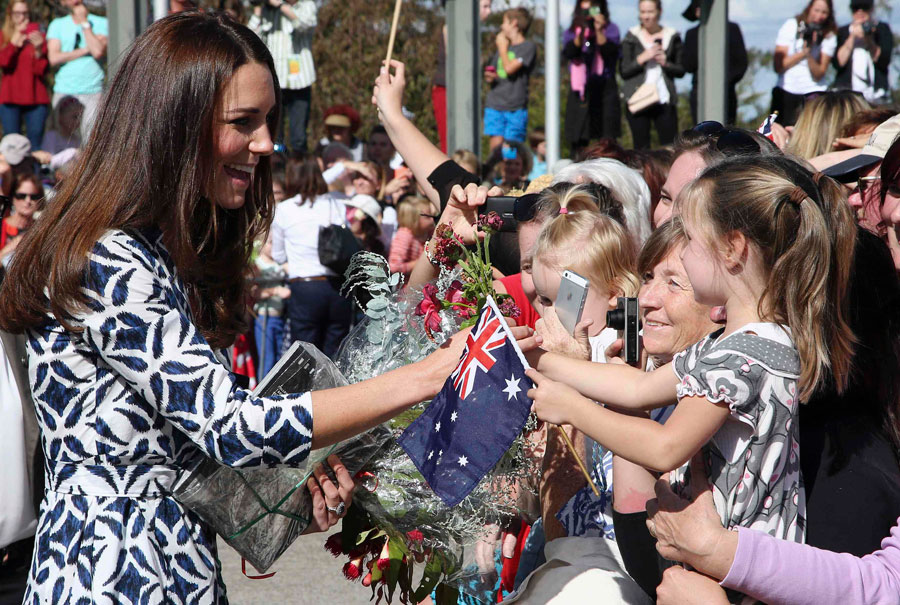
[[754, 458]]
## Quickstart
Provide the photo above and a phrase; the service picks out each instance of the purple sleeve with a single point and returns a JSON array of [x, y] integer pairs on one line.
[[612, 33], [777, 571]]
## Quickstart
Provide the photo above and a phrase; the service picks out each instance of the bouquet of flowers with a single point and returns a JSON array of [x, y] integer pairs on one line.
[[397, 521]]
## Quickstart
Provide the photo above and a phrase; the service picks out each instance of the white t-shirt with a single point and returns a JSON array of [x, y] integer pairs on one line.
[[798, 80], [295, 233]]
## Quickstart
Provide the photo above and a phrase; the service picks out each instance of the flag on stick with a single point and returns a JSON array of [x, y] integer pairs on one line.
[[477, 415]]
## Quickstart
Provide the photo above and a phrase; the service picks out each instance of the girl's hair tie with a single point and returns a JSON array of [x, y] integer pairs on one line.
[[798, 194], [564, 211]]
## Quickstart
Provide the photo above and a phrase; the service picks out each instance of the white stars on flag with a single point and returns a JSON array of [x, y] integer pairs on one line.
[[512, 389], [453, 417], [431, 454], [437, 427], [463, 461]]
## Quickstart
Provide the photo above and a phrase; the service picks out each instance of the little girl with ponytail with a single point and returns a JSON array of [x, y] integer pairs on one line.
[[773, 244]]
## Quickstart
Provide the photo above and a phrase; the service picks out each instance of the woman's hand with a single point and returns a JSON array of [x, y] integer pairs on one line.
[[326, 495], [462, 210], [37, 39], [614, 350], [396, 185], [648, 55], [388, 93], [690, 531], [552, 336], [554, 402], [682, 587]]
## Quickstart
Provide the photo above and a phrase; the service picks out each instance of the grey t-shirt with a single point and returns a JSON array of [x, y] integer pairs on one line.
[[510, 92]]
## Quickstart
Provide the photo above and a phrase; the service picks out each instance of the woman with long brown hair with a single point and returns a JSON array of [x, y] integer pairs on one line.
[[124, 288]]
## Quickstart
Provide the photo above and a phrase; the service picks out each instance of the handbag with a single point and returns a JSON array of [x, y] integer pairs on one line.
[[336, 245], [645, 96]]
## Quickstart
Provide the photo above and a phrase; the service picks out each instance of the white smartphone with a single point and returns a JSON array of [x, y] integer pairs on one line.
[[570, 299]]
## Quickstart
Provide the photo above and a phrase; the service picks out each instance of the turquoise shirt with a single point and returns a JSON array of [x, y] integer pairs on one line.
[[84, 75]]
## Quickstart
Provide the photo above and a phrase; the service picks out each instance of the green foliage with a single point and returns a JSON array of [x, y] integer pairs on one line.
[[350, 45]]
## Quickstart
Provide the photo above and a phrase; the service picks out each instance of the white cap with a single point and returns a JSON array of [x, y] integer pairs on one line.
[[368, 204]]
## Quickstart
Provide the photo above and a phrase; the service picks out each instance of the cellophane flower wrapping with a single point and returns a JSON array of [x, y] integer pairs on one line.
[[399, 501], [261, 511]]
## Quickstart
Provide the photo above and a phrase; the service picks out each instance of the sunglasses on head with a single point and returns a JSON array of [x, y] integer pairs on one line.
[[728, 140], [525, 207]]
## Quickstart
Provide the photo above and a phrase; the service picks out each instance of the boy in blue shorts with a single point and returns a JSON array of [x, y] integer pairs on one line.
[[506, 105]]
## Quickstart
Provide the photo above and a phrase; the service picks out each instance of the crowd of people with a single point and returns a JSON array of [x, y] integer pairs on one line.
[[151, 274]]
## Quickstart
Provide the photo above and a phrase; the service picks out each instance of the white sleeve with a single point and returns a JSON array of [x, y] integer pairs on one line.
[[787, 33], [279, 254], [829, 45], [334, 172], [305, 10]]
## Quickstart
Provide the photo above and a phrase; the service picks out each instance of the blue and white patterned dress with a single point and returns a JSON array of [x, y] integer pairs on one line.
[[126, 407]]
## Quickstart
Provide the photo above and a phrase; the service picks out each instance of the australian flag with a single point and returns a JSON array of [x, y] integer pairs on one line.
[[478, 414]]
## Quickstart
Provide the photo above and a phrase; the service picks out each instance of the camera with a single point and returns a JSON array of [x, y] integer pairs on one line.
[[626, 319], [868, 27], [810, 32]]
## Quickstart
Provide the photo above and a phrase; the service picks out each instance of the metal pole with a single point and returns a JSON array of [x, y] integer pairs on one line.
[[463, 76], [551, 81], [712, 98], [160, 9], [124, 25]]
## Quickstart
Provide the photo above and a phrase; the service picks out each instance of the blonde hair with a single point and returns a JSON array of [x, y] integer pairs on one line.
[[409, 209], [591, 243], [8, 27], [822, 121], [467, 160], [803, 228]]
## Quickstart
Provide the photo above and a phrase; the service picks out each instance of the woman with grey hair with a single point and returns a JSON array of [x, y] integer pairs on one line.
[[625, 183]]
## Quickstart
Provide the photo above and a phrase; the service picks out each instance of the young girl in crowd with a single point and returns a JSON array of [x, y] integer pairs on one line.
[[415, 216], [774, 245]]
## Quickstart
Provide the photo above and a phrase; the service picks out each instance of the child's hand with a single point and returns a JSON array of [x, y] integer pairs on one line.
[[553, 401]]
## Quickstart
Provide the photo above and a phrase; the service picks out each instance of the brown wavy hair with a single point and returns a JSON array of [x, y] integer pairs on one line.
[[149, 164]]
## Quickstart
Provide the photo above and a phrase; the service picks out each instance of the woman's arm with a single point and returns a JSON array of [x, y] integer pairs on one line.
[[674, 66], [818, 67], [420, 155], [629, 65], [639, 440], [766, 568]]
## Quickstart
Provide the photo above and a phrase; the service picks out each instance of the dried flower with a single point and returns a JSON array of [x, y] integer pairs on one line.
[[446, 250], [429, 307], [491, 221], [334, 544], [509, 308]]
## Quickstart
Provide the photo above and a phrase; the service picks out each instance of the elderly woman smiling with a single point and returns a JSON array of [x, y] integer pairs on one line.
[[672, 321]]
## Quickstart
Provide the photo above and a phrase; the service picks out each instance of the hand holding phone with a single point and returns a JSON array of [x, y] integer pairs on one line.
[[570, 299]]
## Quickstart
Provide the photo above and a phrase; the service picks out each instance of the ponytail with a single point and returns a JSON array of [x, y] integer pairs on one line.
[[805, 233]]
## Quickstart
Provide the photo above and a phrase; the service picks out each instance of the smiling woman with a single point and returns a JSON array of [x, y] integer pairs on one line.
[[126, 287]]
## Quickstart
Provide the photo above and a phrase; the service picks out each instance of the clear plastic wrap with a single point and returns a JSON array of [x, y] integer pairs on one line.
[[261, 511]]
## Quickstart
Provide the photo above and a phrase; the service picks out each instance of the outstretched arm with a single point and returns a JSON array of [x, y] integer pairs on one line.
[[417, 151], [617, 385], [661, 447]]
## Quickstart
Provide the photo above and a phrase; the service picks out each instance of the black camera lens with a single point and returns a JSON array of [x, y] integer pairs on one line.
[[615, 319]]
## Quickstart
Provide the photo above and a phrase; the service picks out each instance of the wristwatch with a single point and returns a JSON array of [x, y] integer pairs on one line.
[[86, 24]]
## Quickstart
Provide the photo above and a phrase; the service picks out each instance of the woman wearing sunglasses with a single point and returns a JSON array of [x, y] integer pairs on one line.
[[27, 199]]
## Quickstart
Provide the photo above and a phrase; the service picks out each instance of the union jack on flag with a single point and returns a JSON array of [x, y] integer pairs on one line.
[[765, 128], [477, 415], [484, 338]]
